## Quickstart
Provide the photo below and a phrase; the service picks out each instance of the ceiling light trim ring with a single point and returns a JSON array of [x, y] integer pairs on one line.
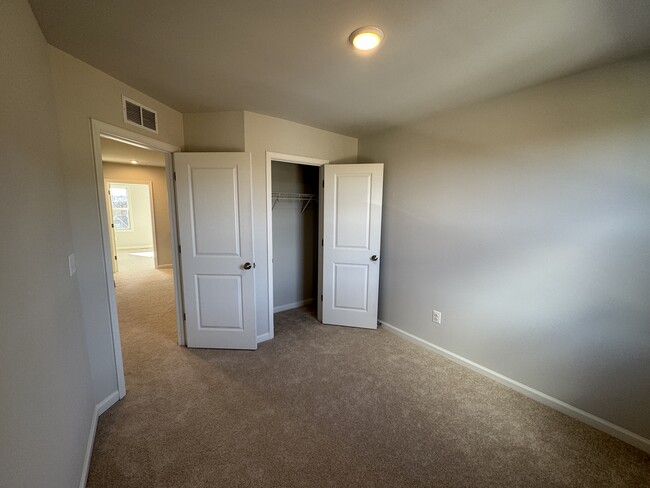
[[366, 38]]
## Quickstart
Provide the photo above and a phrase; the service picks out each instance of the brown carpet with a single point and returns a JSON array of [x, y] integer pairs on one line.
[[328, 406]]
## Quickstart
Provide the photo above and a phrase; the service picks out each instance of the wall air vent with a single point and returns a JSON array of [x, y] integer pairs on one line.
[[137, 114]]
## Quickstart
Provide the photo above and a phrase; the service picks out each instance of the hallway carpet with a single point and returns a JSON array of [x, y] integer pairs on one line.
[[328, 406]]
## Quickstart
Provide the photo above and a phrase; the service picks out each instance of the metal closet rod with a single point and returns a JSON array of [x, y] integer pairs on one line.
[[298, 197]]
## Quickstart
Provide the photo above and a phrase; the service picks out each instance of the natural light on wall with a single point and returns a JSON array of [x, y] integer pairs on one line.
[[366, 38]]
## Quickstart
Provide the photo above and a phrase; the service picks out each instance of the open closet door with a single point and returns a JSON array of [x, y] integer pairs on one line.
[[215, 223], [352, 201]]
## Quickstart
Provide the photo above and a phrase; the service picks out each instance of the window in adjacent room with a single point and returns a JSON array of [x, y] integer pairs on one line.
[[120, 204]]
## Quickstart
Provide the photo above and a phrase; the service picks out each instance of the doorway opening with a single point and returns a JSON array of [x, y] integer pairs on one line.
[[132, 221], [138, 226], [294, 233], [294, 190]]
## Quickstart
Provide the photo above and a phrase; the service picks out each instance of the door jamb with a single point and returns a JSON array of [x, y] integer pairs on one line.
[[99, 129], [284, 158]]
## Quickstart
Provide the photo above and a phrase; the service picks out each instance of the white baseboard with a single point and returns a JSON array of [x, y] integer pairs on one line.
[[108, 402], [290, 306], [589, 419], [263, 337], [164, 266], [100, 408], [133, 248]]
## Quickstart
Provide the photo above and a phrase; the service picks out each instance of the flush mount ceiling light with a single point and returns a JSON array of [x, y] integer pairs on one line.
[[366, 38], [133, 161]]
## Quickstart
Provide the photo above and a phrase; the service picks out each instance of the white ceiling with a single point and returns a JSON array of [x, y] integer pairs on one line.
[[119, 152], [290, 58]]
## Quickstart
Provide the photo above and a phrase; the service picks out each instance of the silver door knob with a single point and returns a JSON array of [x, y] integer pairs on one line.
[[248, 265], [374, 258]]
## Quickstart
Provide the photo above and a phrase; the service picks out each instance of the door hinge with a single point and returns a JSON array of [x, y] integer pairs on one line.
[[323, 183], [322, 242], [115, 258], [321, 298], [174, 175], [179, 249], [184, 316], [112, 226]]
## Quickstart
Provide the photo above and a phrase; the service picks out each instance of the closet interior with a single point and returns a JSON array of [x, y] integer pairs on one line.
[[294, 193]]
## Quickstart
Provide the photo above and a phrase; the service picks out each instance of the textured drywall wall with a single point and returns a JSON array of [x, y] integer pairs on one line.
[[83, 93], [295, 235], [158, 179], [526, 221], [46, 395]]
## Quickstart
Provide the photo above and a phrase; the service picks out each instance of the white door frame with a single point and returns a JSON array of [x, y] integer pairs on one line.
[[283, 158], [99, 130]]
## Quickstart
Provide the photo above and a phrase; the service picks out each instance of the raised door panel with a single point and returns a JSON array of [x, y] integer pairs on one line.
[[352, 214], [215, 211]]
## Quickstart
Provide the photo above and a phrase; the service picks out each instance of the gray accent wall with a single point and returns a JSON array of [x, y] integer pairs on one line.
[[525, 220], [295, 235], [46, 395]]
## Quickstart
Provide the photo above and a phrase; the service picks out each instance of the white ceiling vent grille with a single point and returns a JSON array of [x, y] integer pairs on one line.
[[137, 114]]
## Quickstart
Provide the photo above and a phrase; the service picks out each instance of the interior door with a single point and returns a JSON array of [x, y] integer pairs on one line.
[[352, 202], [111, 227], [215, 222]]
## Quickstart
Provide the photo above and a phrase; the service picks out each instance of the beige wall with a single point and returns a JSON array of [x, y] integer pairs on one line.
[[46, 394], [83, 92], [526, 221], [158, 179]]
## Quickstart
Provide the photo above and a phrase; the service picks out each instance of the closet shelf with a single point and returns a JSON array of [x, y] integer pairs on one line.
[[295, 197]]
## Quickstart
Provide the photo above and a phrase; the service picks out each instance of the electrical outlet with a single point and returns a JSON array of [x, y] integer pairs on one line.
[[436, 317]]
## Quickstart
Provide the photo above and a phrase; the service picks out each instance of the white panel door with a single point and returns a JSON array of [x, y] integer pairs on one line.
[[352, 201], [215, 224]]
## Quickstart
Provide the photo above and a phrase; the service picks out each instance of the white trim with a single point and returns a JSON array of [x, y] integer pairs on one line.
[[578, 414], [100, 408], [99, 130], [263, 337], [89, 449], [291, 306], [133, 248], [107, 402], [176, 260], [284, 158], [163, 266]]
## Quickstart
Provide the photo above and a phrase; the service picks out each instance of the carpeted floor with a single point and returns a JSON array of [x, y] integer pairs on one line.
[[327, 406]]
